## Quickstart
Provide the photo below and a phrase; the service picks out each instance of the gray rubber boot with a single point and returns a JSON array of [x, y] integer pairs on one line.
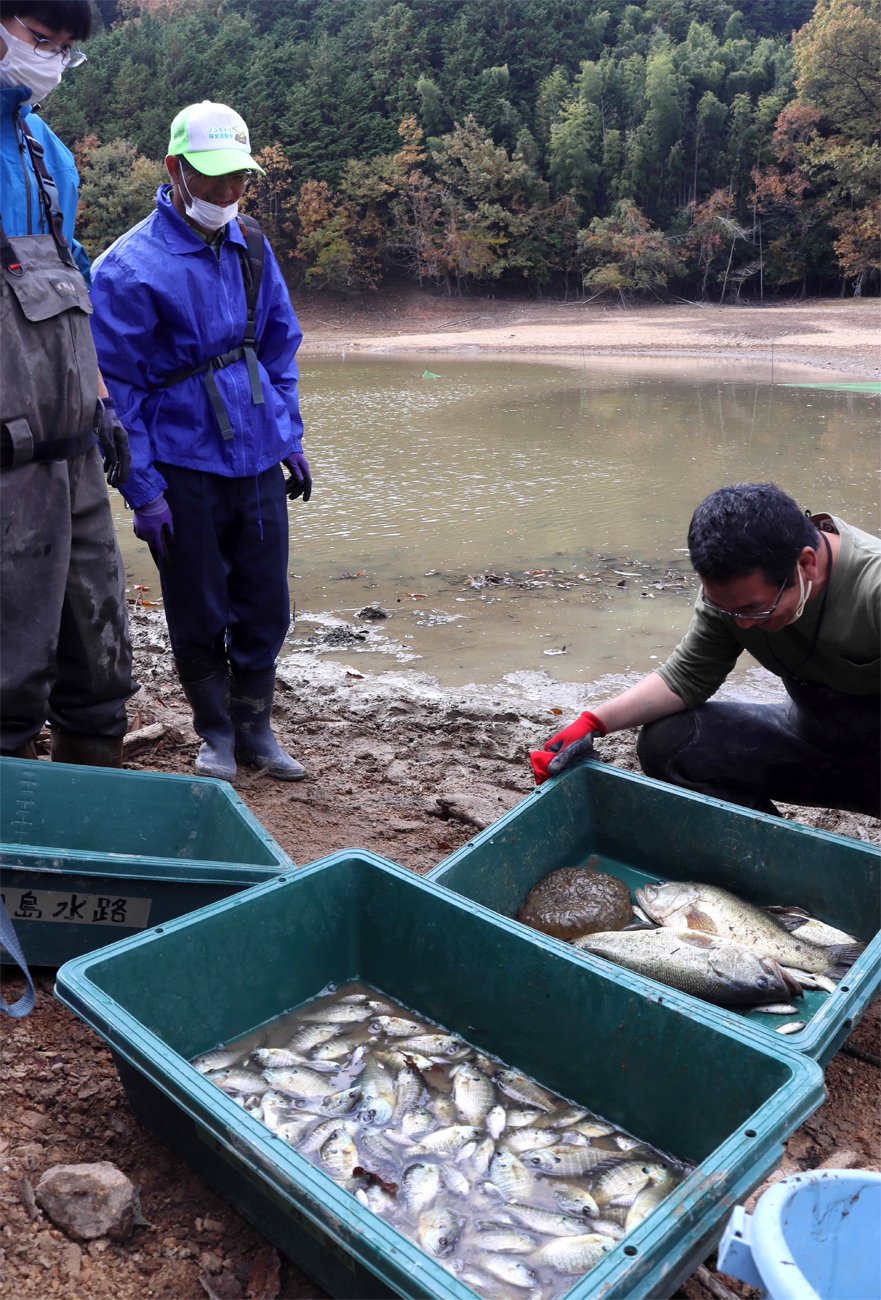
[[92, 751], [251, 708], [208, 697]]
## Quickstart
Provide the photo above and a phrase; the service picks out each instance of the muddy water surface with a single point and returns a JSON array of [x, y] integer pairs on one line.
[[526, 515]]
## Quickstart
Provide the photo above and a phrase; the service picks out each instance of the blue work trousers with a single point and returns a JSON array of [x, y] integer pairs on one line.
[[225, 578]]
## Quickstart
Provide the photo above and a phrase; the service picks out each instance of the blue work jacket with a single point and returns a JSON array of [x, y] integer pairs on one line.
[[165, 301], [20, 205]]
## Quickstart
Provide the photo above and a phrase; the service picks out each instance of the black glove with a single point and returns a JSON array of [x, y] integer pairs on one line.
[[114, 443]]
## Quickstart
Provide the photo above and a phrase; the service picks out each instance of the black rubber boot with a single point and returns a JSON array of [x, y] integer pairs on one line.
[[92, 751], [208, 697], [251, 708]]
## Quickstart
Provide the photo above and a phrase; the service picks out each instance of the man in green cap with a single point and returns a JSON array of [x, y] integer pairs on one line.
[[203, 373]]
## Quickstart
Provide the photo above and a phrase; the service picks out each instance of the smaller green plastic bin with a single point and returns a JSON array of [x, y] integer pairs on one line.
[[88, 854], [643, 830], [669, 1071]]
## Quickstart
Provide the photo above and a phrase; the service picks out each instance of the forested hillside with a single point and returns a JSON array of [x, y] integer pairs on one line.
[[671, 147]]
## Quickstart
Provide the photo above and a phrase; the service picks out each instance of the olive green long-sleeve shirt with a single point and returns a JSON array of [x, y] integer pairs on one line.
[[846, 657]]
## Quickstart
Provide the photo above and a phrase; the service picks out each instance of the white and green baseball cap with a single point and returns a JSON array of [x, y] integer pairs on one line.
[[213, 139]]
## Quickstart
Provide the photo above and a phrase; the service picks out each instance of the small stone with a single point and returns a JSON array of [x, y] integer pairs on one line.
[[212, 1225], [88, 1200], [72, 1260], [373, 611], [210, 1262]]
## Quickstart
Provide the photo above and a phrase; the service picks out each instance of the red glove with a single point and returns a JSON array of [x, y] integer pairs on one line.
[[581, 729]]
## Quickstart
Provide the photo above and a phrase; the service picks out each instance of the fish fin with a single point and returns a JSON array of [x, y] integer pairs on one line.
[[641, 925], [843, 955], [790, 921], [696, 938], [698, 920]]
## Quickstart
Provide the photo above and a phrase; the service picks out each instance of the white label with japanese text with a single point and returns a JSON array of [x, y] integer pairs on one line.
[[81, 909]]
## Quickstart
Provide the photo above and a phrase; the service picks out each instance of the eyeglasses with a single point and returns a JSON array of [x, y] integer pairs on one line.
[[238, 178], [746, 614], [70, 56]]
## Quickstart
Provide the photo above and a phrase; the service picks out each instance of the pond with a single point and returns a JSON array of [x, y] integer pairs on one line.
[[530, 515]]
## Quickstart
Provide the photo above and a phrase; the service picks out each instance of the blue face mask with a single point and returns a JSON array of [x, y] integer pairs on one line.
[[22, 66]]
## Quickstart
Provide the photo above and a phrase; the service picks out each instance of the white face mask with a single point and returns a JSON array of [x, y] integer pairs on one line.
[[22, 66], [804, 594], [209, 215]]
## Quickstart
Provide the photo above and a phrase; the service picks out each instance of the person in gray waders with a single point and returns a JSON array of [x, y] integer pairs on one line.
[[802, 594], [197, 339], [65, 653]]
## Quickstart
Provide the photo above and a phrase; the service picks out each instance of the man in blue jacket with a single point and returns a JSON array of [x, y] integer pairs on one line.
[[211, 419], [65, 654]]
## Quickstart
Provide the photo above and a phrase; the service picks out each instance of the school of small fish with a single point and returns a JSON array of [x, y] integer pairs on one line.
[[510, 1187]]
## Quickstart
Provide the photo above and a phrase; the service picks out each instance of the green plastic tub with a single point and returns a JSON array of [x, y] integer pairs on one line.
[[643, 830], [694, 1084], [88, 854]]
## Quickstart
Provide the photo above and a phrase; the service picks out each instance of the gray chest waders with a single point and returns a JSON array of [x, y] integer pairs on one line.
[[49, 365]]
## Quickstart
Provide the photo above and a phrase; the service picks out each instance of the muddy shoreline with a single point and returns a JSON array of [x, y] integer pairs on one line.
[[396, 765]]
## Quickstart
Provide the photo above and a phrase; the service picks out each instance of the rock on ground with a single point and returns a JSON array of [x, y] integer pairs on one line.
[[87, 1201]]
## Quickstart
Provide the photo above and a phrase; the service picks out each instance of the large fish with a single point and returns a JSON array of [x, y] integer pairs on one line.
[[682, 905], [704, 965]]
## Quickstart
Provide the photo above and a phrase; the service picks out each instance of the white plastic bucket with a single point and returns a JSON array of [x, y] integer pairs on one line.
[[814, 1236]]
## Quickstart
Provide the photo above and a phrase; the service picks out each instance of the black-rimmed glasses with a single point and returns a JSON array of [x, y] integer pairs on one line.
[[70, 56], [746, 614]]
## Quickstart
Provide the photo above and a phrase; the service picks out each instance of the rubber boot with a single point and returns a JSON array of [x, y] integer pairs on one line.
[[92, 751], [27, 750], [208, 697], [251, 708]]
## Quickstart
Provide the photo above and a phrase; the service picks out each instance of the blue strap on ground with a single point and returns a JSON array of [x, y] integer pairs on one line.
[[9, 940]]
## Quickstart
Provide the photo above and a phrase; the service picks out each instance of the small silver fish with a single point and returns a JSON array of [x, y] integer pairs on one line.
[[505, 1241], [222, 1058], [495, 1122], [238, 1079], [338, 1154], [513, 1272], [445, 1141], [793, 1027], [510, 1175], [298, 1081], [438, 1231], [395, 1027], [574, 1254], [548, 1222], [420, 1184]]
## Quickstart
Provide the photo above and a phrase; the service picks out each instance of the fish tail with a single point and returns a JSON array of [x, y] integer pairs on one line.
[[843, 955]]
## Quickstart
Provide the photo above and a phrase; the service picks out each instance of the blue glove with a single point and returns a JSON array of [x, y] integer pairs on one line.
[[154, 525], [299, 481]]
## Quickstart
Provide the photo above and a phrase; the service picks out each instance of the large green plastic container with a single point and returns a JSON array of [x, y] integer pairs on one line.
[[91, 853], [669, 1071], [642, 830]]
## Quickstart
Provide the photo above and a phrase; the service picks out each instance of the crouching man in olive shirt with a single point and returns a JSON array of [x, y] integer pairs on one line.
[[801, 593]]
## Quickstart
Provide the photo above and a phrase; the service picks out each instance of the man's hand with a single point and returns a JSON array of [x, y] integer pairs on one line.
[[299, 481], [114, 442], [154, 525], [568, 746]]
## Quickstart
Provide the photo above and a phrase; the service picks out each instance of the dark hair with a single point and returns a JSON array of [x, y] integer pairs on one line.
[[74, 16], [737, 530]]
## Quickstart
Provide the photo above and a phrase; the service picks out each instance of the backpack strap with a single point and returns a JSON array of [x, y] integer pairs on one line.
[[252, 274], [251, 258], [48, 194]]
